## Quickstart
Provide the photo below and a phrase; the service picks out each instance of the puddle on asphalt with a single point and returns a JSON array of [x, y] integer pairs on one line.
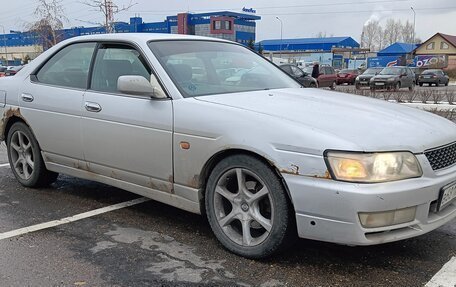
[[175, 261]]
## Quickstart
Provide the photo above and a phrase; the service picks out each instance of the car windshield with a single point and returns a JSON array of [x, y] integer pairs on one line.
[[307, 70], [391, 71], [372, 71], [427, 72], [200, 68]]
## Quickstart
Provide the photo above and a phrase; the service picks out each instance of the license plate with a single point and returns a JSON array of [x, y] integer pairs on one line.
[[427, 77], [379, 84], [447, 195]]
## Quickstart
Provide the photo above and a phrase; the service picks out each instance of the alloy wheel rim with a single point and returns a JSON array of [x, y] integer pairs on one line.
[[22, 155], [244, 207]]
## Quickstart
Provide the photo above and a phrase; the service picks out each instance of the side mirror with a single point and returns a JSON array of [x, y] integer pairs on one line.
[[138, 85]]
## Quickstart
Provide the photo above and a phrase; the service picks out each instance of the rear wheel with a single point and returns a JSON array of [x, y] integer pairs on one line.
[[247, 207], [25, 159]]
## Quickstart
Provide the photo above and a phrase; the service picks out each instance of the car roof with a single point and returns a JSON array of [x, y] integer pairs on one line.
[[141, 37]]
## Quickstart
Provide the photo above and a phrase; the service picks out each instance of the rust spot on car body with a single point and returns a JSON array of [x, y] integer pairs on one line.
[[194, 181], [7, 114], [294, 169], [326, 176]]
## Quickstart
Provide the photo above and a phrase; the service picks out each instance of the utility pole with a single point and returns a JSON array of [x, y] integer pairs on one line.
[[281, 35], [414, 16], [4, 42], [109, 6]]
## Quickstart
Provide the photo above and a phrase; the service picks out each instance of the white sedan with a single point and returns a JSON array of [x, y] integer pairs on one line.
[[261, 157]]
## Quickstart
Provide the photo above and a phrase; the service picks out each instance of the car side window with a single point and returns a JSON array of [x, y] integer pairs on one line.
[[296, 71], [287, 69], [69, 67], [113, 61]]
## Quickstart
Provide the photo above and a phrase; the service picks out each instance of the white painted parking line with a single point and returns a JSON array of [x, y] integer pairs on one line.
[[4, 164], [70, 219], [446, 277]]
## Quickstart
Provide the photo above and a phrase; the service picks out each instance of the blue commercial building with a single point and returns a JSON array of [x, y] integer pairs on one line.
[[238, 27], [309, 44], [397, 54]]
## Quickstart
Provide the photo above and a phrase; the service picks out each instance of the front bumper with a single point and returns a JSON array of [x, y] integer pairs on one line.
[[382, 84], [327, 210]]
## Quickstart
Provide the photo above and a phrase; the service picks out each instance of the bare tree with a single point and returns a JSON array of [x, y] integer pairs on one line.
[[51, 16], [407, 32], [392, 32], [109, 9], [371, 36]]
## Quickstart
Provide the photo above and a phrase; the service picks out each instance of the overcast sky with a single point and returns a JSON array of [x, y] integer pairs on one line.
[[300, 18]]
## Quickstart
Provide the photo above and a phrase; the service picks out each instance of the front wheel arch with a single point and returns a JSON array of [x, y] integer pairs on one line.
[[221, 155]]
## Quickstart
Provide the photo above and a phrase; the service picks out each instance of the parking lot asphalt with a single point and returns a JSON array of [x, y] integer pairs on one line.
[[151, 244]]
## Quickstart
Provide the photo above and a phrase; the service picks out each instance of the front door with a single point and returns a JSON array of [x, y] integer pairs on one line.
[[126, 138]]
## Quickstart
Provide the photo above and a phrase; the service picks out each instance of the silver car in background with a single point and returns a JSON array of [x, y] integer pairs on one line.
[[261, 157]]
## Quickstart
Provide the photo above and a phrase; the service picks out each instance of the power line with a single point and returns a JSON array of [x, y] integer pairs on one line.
[[357, 11]]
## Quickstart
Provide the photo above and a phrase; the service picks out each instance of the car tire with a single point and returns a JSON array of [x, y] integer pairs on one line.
[[312, 85], [24, 155], [245, 222], [446, 84], [412, 87], [357, 86], [397, 86], [421, 84], [333, 86]]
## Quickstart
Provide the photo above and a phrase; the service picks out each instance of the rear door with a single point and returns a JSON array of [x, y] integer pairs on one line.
[[126, 138]]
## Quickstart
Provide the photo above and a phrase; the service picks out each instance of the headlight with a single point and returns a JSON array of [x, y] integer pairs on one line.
[[391, 79], [372, 167]]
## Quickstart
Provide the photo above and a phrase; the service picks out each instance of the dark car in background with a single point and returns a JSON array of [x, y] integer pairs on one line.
[[433, 77], [2, 71], [347, 76], [364, 79], [327, 77], [13, 70], [304, 78], [393, 78], [417, 71]]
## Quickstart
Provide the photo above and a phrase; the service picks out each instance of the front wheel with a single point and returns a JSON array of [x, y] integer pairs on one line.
[[25, 159], [247, 207], [412, 86], [397, 86], [333, 85]]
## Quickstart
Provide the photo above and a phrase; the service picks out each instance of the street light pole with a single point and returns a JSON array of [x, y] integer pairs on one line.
[[281, 35], [4, 42], [414, 16]]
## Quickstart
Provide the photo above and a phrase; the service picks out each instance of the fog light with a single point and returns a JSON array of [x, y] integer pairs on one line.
[[387, 218]]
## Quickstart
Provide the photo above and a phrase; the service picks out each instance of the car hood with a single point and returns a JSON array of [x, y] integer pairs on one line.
[[369, 124], [384, 77]]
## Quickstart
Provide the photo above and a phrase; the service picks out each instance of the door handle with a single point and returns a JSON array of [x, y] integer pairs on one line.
[[27, 98], [92, 107]]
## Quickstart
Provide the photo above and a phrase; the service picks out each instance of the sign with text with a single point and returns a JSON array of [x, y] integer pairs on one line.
[[431, 61]]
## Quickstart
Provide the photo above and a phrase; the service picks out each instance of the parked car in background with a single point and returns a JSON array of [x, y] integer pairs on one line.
[[13, 70], [305, 79], [327, 77], [262, 158], [393, 78], [363, 80], [433, 77], [2, 71], [417, 71], [347, 76]]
